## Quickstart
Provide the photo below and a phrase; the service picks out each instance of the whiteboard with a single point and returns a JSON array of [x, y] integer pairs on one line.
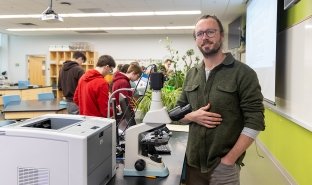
[[294, 73], [261, 30]]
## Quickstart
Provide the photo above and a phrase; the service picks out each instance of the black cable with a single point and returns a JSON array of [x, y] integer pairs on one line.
[[257, 150], [153, 66]]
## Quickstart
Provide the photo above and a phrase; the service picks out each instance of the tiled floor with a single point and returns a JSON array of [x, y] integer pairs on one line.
[[260, 170], [257, 170]]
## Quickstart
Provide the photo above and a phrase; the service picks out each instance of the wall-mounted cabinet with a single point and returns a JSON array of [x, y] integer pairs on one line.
[[57, 58]]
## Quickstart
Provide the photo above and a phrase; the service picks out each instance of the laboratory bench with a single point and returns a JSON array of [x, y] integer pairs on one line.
[[174, 162]]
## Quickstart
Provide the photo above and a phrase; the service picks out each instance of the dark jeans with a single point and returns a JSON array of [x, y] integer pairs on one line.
[[72, 108]]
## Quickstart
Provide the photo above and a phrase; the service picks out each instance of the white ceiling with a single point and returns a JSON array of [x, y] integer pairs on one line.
[[226, 10]]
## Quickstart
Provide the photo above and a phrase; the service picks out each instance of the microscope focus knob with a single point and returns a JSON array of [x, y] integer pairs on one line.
[[140, 165]]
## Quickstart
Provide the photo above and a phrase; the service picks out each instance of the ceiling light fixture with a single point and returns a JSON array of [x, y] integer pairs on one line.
[[112, 14], [102, 28]]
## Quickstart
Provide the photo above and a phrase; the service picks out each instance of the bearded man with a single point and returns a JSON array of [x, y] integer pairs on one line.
[[227, 110]]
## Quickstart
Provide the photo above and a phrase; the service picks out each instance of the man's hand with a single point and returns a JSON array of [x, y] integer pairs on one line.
[[205, 118]]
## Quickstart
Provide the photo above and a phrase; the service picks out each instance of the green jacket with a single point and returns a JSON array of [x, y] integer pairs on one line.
[[233, 91]]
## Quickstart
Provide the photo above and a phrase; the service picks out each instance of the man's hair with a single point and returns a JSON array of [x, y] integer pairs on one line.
[[212, 17], [135, 69], [135, 63], [119, 66], [125, 68], [106, 60], [78, 54]]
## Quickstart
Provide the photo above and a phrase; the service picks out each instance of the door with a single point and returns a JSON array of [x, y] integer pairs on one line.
[[37, 70]]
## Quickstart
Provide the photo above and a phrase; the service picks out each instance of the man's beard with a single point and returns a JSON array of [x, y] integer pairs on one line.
[[211, 52]]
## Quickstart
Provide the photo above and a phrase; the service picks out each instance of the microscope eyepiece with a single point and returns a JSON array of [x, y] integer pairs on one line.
[[178, 113]]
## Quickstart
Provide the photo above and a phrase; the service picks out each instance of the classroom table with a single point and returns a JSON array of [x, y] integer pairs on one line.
[[25, 93], [32, 108], [174, 162]]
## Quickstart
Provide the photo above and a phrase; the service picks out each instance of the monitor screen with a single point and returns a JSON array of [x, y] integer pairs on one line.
[[142, 83], [127, 118], [234, 34], [289, 3]]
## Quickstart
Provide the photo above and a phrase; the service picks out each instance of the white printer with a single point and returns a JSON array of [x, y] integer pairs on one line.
[[57, 149]]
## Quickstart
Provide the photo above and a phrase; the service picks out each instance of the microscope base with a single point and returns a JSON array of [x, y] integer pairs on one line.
[[164, 172], [133, 153]]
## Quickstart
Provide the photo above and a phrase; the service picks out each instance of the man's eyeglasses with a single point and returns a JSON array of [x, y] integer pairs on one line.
[[210, 33]]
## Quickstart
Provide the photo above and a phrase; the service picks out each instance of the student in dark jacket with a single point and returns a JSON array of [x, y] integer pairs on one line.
[[69, 76]]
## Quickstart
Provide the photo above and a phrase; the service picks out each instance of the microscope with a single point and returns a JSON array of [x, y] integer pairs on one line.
[[152, 132], [138, 162]]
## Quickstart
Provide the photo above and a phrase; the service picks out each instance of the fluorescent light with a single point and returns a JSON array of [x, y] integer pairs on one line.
[[112, 14], [195, 12], [86, 15], [102, 28], [20, 16]]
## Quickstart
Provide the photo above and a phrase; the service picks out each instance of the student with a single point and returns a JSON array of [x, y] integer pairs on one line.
[[119, 66], [122, 80], [167, 71], [92, 92], [69, 76], [226, 100]]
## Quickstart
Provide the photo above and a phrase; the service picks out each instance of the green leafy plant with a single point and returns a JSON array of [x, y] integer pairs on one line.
[[189, 59], [169, 98], [145, 103], [173, 86], [176, 79]]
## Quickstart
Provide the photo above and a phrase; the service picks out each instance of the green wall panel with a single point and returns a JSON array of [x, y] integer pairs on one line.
[[287, 141], [295, 14], [290, 144]]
